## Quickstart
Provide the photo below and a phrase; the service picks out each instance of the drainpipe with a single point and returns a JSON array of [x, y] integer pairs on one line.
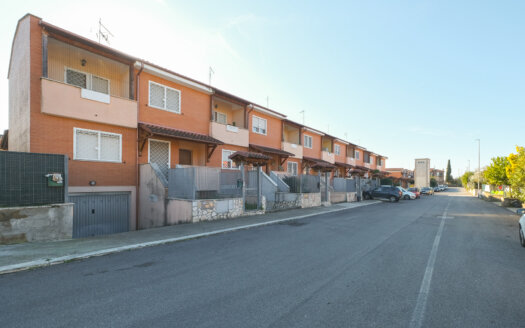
[[137, 197], [246, 119]]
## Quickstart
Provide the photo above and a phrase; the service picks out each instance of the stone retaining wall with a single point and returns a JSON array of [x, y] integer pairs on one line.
[[36, 223]]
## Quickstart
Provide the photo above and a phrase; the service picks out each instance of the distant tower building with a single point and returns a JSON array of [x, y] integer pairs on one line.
[[422, 173]]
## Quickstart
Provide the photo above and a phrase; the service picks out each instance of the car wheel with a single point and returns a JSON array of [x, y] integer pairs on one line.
[[406, 197], [393, 199], [522, 238]]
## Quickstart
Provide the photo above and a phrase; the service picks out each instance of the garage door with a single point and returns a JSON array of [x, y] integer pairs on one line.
[[97, 214]]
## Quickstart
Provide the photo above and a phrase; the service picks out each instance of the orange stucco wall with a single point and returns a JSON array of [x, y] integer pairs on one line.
[[50, 134], [315, 151], [195, 107], [273, 133]]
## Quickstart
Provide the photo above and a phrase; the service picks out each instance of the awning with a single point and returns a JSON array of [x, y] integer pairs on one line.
[[345, 165], [270, 150], [179, 134], [249, 158], [318, 164]]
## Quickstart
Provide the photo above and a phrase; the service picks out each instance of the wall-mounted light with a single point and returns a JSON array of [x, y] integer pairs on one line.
[[216, 105], [83, 62], [92, 182]]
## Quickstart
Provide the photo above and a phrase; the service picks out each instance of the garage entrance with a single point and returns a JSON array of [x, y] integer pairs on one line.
[[96, 214]]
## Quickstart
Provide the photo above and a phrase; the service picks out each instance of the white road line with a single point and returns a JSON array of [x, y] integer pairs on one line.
[[419, 311]]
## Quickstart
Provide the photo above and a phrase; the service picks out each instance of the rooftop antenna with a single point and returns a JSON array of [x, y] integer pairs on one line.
[[211, 71], [267, 102], [346, 136], [103, 32], [302, 112]]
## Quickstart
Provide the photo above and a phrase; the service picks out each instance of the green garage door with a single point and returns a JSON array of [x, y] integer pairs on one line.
[[97, 214]]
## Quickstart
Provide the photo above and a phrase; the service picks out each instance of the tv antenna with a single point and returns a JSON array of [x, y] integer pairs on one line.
[[302, 112], [211, 71], [103, 32]]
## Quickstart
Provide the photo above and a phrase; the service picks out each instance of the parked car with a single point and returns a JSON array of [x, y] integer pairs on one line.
[[442, 187], [521, 226], [406, 194], [436, 189], [427, 191], [415, 191], [386, 192]]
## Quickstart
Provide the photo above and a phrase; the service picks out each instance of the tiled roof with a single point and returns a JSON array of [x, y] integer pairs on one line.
[[179, 134], [342, 164], [271, 150], [319, 163]]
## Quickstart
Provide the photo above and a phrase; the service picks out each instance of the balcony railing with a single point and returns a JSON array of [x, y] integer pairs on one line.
[[230, 134], [61, 99], [350, 160], [327, 156], [295, 149], [367, 165]]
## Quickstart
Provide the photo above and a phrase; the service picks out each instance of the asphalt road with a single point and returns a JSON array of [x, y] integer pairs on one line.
[[385, 265]]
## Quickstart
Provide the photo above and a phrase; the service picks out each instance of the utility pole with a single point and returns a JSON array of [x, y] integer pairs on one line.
[[479, 166]]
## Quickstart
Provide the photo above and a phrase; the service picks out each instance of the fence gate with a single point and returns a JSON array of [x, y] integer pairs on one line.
[[251, 189], [97, 214], [159, 153]]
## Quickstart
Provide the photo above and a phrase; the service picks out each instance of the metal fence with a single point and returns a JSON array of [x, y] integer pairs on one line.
[[339, 184], [32, 179], [304, 183], [199, 182]]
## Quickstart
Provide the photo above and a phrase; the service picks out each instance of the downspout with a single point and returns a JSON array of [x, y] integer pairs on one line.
[[246, 118], [137, 93]]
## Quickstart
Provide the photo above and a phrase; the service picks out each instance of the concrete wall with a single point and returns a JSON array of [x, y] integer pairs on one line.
[[36, 223], [337, 197], [351, 197], [310, 199], [19, 90], [152, 199], [284, 201], [179, 211]]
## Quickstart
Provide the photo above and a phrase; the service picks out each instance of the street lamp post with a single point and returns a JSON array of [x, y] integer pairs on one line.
[[479, 166]]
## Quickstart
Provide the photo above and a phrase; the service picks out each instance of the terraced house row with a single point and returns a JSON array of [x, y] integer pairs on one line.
[[113, 113]]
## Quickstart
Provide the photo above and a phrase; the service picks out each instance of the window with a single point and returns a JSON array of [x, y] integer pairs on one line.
[[87, 81], [357, 154], [379, 161], [308, 141], [220, 118], [259, 125], [371, 160], [163, 97], [97, 146], [226, 162], [291, 168], [337, 149]]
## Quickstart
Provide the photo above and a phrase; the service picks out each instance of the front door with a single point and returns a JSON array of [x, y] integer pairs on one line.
[[184, 157], [159, 154]]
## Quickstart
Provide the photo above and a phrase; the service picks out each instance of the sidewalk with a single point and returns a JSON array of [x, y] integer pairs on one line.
[[31, 255]]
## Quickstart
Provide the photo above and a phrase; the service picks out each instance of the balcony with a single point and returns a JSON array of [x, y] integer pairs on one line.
[[229, 134], [328, 156], [295, 149], [61, 99], [367, 165], [350, 160]]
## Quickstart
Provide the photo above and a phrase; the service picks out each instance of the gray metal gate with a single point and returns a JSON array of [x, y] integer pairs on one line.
[[159, 153], [97, 214]]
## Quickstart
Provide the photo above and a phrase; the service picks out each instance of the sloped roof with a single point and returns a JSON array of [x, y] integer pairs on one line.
[[179, 134]]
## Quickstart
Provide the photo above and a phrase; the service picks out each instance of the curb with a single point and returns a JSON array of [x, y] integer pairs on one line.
[[57, 260]]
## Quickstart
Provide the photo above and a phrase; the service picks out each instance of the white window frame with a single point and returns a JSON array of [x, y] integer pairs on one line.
[[265, 123], [169, 150], [371, 160], [291, 164], [356, 155], [311, 141], [98, 145], [89, 77], [165, 102], [222, 156], [337, 149]]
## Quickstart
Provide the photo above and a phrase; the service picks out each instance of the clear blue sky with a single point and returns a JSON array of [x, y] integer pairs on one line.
[[405, 79]]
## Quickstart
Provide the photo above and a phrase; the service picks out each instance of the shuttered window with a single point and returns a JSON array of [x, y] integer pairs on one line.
[[291, 168], [97, 146], [87, 81], [308, 141], [259, 125], [337, 149], [163, 97]]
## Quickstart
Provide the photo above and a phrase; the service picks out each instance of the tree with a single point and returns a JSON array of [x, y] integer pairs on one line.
[[465, 178], [433, 182], [496, 173], [449, 178], [516, 173]]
